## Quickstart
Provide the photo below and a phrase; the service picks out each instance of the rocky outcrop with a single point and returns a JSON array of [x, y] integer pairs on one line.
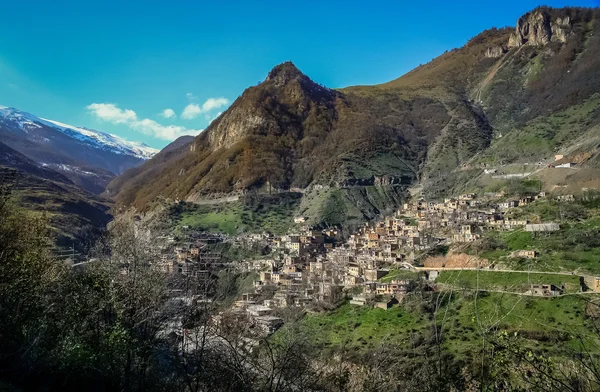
[[539, 28], [559, 29], [286, 92], [232, 128], [375, 181], [284, 73], [495, 51]]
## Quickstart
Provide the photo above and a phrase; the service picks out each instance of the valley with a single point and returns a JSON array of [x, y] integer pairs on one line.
[[436, 232]]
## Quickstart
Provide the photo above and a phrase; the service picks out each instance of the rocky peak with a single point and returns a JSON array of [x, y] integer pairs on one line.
[[539, 28], [284, 73], [260, 107]]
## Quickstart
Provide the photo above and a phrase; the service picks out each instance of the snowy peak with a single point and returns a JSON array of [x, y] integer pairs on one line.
[[98, 140], [88, 158], [104, 140]]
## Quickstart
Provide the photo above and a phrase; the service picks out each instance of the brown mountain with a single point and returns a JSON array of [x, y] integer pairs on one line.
[[289, 132], [436, 126]]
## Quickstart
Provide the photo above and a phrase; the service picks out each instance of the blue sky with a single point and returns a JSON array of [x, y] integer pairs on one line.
[[117, 66]]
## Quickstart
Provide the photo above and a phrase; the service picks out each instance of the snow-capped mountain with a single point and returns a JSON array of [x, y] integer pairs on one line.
[[96, 139], [87, 157]]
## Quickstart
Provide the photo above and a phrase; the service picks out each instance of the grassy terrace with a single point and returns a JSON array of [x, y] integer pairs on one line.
[[517, 282], [548, 324], [399, 275], [576, 247], [363, 327], [273, 214]]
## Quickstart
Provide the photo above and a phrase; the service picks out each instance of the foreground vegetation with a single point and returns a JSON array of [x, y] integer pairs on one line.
[[113, 325]]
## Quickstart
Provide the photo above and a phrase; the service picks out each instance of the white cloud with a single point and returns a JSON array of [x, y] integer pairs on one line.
[[191, 97], [111, 113], [168, 113], [214, 103], [191, 111], [166, 132]]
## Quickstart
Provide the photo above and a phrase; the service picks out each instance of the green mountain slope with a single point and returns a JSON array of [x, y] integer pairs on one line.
[[75, 215], [507, 95], [290, 133]]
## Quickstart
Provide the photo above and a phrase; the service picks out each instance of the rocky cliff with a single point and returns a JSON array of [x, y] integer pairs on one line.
[[540, 27]]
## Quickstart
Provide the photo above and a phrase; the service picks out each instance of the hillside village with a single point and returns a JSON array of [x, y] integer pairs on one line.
[[377, 265]]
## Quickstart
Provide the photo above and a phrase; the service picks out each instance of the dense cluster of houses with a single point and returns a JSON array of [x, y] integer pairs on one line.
[[316, 266], [321, 266]]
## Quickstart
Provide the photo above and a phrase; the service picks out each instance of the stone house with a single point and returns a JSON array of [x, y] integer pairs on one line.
[[550, 226], [375, 274], [526, 254], [268, 324], [545, 290], [395, 287], [385, 305]]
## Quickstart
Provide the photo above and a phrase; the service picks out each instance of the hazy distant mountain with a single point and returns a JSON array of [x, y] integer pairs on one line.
[[89, 158], [15, 160]]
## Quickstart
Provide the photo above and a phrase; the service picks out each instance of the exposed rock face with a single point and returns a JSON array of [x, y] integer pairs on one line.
[[284, 73], [559, 32], [537, 28], [233, 127], [248, 115], [495, 52]]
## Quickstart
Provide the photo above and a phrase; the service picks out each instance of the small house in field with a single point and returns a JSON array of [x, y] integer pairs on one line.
[[545, 290], [568, 164], [535, 227], [432, 275], [526, 254], [567, 198], [385, 305], [359, 300]]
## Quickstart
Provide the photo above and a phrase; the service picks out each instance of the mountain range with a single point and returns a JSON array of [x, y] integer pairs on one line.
[[87, 157], [60, 170], [510, 95]]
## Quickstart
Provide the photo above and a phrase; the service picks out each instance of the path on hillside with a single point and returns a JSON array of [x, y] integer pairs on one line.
[[564, 273], [524, 294], [226, 199], [528, 294], [484, 83], [499, 270], [499, 64]]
